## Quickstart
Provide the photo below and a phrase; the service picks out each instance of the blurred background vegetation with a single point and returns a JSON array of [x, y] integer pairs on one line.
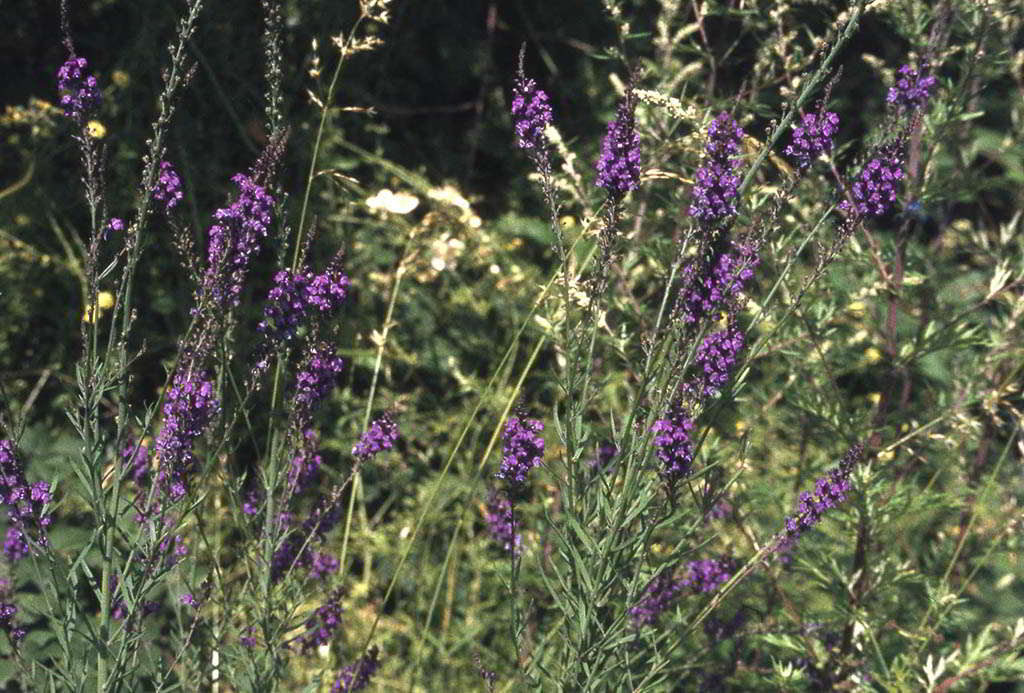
[[426, 114]]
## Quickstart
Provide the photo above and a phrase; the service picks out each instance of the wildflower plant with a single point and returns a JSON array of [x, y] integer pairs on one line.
[[676, 394]]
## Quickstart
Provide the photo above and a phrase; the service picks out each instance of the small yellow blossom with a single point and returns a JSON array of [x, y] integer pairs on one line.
[[872, 355], [120, 78], [104, 300], [875, 397], [95, 129]]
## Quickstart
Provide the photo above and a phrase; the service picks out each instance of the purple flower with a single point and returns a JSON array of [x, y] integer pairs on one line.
[[234, 239], [722, 286], [296, 549], [657, 596], [716, 357], [673, 445], [356, 676], [168, 187], [321, 626], [875, 189], [501, 523], [315, 381], [296, 295], [606, 452], [7, 613], [829, 492], [189, 600], [618, 168], [912, 90], [718, 179], [522, 450], [189, 407], [306, 463], [812, 137], [24, 501], [322, 565], [707, 575], [381, 435], [531, 114], [15, 546], [248, 640], [79, 92]]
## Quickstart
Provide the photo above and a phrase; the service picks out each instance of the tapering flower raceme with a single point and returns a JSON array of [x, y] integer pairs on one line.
[[296, 549], [381, 435], [531, 113], [321, 626], [168, 187], [297, 295], [672, 444], [502, 523], [718, 180], [323, 564], [912, 89], [305, 463], [356, 676], [7, 613], [235, 238], [722, 287], [25, 503], [15, 545], [314, 382], [876, 187], [618, 168], [707, 575], [522, 450], [657, 597], [812, 137], [716, 359], [829, 492], [190, 405], [79, 91]]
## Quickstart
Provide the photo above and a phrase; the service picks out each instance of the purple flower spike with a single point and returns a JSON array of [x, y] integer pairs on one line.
[[315, 381], [381, 435], [189, 407], [875, 189], [531, 113], [502, 524], [657, 597], [168, 187], [522, 451], [829, 492], [356, 676], [235, 238], [714, 193], [707, 575], [25, 503], [297, 295], [321, 626], [912, 91], [79, 92], [673, 445], [716, 358], [724, 285], [812, 137], [618, 169]]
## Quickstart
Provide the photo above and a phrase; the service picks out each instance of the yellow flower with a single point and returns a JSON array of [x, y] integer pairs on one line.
[[104, 300], [95, 129], [120, 78], [872, 355]]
